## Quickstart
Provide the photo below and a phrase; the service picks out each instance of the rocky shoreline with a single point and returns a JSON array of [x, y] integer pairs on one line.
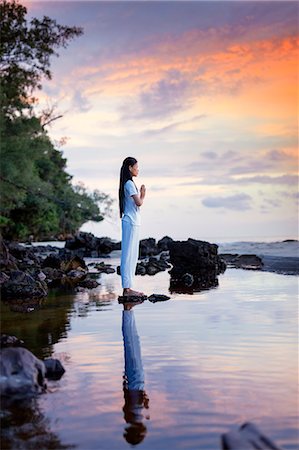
[[28, 272]]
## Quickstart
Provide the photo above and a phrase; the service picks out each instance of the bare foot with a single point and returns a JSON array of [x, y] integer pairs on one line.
[[130, 292]]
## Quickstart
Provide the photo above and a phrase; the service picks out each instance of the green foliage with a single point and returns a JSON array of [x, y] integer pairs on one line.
[[25, 51], [37, 196]]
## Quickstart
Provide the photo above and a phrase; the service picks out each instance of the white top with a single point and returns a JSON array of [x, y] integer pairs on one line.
[[131, 210]]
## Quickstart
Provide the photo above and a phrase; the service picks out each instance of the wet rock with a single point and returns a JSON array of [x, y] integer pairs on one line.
[[10, 341], [188, 279], [89, 284], [22, 286], [196, 265], [158, 298], [104, 268], [131, 298], [164, 256], [140, 269], [148, 247], [74, 263], [21, 373], [150, 266], [53, 261], [247, 437], [163, 244], [3, 277], [54, 368], [250, 262], [53, 277], [73, 278], [88, 245]]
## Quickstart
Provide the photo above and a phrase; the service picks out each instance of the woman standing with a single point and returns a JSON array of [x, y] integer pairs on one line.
[[129, 207]]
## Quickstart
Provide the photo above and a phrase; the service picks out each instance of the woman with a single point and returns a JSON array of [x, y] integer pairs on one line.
[[129, 207]]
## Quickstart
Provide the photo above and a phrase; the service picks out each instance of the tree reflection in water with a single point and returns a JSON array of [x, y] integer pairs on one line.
[[23, 425], [134, 394]]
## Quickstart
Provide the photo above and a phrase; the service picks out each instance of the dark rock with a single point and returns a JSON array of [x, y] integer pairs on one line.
[[10, 341], [89, 284], [131, 298], [200, 283], [152, 269], [247, 437], [3, 277], [73, 264], [229, 258], [53, 276], [88, 245], [148, 247], [21, 373], [251, 262], [105, 268], [195, 258], [54, 368], [164, 256], [23, 286], [158, 298], [72, 278], [248, 262], [53, 260], [188, 279], [163, 244], [140, 269]]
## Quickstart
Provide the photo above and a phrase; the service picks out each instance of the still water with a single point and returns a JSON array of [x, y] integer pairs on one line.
[[205, 363]]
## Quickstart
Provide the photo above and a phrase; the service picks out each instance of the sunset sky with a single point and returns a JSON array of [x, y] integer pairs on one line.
[[203, 94]]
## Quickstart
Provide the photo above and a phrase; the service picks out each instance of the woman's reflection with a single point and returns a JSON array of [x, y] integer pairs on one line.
[[134, 394]]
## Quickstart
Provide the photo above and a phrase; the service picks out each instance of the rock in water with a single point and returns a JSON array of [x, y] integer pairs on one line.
[[158, 298], [21, 285], [131, 298], [21, 373], [196, 265], [54, 368]]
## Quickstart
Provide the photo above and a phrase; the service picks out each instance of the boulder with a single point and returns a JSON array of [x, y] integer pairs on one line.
[[53, 260], [148, 247], [54, 368], [163, 244], [21, 373], [53, 276], [196, 265], [21, 285], [87, 245], [10, 341], [250, 262]]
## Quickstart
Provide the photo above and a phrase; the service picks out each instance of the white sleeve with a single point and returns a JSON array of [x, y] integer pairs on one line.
[[133, 362], [131, 188]]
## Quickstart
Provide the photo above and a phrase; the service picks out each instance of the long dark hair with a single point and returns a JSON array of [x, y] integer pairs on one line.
[[125, 175]]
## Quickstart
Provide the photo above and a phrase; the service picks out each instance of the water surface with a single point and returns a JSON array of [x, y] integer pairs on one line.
[[211, 361]]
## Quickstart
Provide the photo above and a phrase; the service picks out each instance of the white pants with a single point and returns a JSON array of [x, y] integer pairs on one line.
[[129, 253], [134, 375]]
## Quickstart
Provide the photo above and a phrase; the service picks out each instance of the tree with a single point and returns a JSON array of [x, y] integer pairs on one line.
[[25, 51], [37, 196]]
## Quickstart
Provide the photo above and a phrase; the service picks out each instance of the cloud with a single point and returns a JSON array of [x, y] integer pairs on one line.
[[172, 126], [80, 103], [163, 98], [291, 180], [237, 202]]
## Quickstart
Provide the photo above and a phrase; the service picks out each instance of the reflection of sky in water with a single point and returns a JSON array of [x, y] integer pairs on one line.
[[211, 361]]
